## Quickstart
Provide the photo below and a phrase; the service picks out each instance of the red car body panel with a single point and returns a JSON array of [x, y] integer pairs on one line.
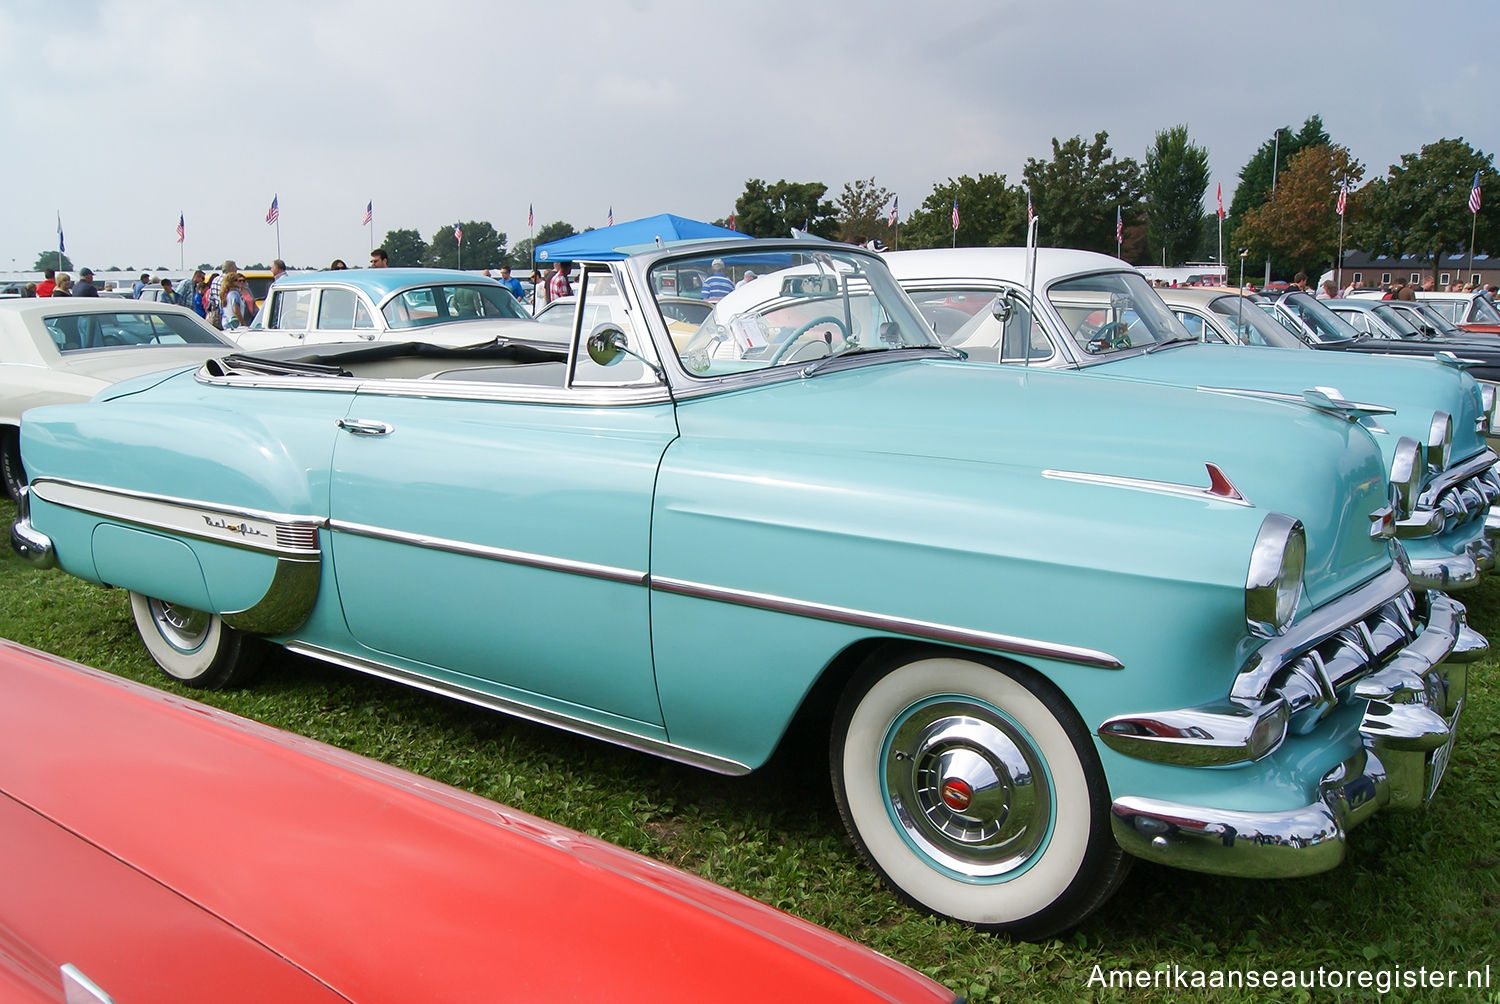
[[252, 846]]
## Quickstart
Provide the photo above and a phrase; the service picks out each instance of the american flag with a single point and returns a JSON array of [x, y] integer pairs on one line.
[[530, 216], [1474, 195], [1221, 202], [1030, 212], [369, 213], [955, 212], [895, 209], [1343, 196], [611, 220], [273, 214], [1119, 227], [458, 233], [181, 228]]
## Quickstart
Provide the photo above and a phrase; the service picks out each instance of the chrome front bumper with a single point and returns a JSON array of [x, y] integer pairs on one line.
[[26, 541], [1410, 721], [1459, 571]]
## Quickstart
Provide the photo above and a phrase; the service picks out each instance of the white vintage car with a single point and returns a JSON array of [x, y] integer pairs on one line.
[[432, 305], [58, 350]]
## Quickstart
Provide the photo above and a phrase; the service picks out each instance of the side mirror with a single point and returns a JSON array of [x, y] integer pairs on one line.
[[607, 343], [1000, 309]]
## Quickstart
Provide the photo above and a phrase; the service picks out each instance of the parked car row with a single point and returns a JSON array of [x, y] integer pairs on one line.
[[1063, 587]]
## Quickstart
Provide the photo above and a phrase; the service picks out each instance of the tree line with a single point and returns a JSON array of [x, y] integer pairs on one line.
[[1283, 207]]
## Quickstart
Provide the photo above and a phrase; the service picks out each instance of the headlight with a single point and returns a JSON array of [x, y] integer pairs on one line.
[[1406, 475], [1274, 586], [1487, 399], [1440, 440]]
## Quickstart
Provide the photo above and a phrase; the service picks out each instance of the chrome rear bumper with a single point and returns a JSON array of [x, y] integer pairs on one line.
[[1410, 722], [28, 542]]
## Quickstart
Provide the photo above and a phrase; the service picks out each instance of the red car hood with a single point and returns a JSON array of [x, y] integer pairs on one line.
[[380, 884]]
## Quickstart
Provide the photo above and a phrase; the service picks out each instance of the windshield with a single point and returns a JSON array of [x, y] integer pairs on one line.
[[1320, 324], [1251, 325], [783, 308], [1114, 311], [1440, 323], [1483, 311], [440, 304], [1397, 320], [76, 332]]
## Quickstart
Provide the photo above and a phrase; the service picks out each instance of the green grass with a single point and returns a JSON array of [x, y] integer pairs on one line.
[[1418, 889]]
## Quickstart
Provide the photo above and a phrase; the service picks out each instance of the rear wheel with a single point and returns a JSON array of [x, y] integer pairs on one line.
[[976, 793], [192, 647], [11, 471]]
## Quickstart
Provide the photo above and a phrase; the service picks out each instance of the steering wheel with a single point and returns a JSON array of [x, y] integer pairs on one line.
[[1111, 335], [786, 346]]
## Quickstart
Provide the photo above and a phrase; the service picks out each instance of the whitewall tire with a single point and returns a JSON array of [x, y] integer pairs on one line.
[[975, 791], [194, 648]]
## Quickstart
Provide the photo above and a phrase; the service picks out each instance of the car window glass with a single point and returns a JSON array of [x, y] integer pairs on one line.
[[1198, 327], [981, 335], [77, 332], [785, 308], [289, 309], [602, 304], [1250, 323], [336, 308], [439, 304], [1113, 311]]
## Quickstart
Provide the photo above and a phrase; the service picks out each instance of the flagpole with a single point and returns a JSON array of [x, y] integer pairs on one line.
[[1473, 227]]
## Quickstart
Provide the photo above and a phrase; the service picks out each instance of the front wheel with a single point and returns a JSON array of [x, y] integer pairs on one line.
[[976, 792], [11, 471], [194, 648]]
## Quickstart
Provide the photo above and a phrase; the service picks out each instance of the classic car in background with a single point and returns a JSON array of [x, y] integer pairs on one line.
[[160, 850], [1472, 312], [1045, 631], [439, 306], [1315, 322], [55, 350], [1098, 317]]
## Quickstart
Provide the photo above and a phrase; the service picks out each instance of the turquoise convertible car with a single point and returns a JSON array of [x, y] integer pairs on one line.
[[1046, 627]]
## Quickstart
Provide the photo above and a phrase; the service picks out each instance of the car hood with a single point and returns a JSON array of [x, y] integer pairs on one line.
[[1414, 387], [110, 366], [387, 886], [1281, 456]]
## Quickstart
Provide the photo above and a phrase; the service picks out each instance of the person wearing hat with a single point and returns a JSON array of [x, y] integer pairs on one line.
[[85, 285], [718, 285]]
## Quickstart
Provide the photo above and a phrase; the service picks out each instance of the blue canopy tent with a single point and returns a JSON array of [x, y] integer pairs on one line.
[[620, 240]]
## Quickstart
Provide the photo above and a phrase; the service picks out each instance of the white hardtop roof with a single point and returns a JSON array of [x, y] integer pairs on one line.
[[1052, 264]]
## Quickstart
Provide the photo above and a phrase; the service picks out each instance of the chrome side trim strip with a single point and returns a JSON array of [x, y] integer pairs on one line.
[[594, 395], [585, 568], [1160, 487], [249, 529], [947, 634], [577, 726]]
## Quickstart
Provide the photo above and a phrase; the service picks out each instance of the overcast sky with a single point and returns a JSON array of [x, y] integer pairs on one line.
[[119, 116]]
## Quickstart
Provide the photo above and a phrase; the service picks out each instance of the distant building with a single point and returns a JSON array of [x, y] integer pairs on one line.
[[1373, 271]]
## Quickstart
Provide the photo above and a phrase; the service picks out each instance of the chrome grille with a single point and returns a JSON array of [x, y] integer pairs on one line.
[[1467, 499], [1312, 681]]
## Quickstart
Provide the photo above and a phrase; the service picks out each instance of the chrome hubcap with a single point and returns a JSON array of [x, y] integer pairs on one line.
[[183, 627], [967, 787]]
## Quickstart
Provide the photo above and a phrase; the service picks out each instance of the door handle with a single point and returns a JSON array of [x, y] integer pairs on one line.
[[365, 427]]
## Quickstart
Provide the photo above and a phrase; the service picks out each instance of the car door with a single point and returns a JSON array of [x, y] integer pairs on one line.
[[491, 530]]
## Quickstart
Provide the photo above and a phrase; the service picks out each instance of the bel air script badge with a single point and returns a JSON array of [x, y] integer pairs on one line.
[[242, 528]]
